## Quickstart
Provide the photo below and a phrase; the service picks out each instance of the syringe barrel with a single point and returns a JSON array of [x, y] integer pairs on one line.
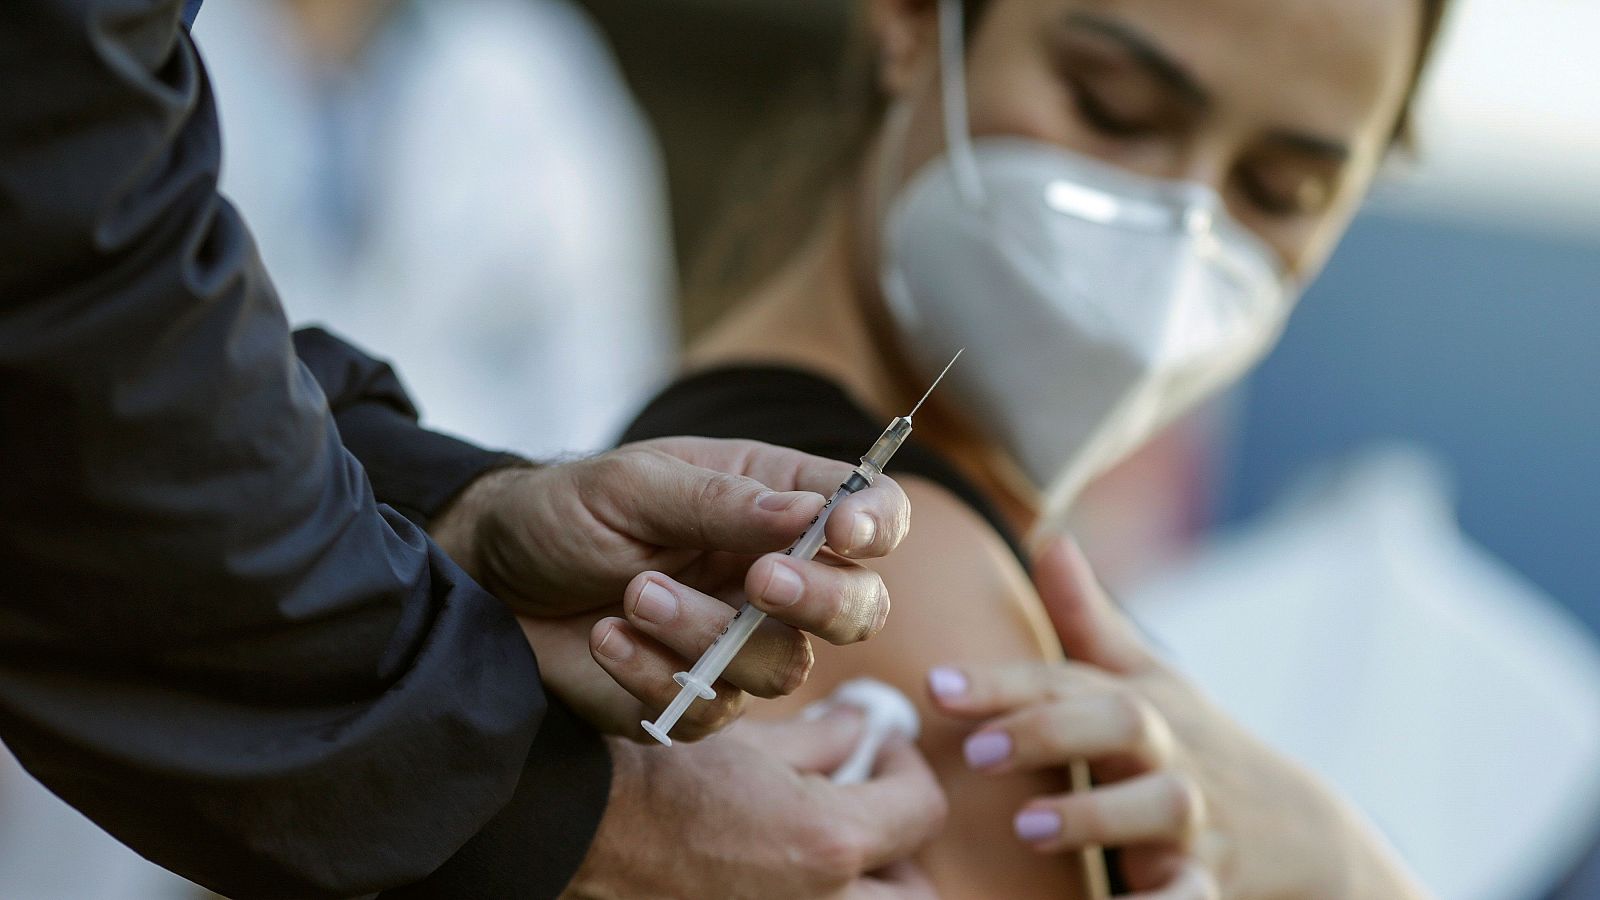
[[886, 445], [698, 681], [711, 664], [810, 542]]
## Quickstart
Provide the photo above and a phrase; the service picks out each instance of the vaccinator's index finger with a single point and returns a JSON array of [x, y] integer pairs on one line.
[[870, 523], [883, 506]]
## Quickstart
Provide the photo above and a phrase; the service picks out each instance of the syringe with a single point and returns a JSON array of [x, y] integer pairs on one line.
[[698, 681]]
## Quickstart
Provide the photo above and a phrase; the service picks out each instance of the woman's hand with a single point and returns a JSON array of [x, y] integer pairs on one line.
[[1198, 806]]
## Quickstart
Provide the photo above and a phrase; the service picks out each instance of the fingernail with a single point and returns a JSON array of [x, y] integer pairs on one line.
[[656, 604], [1037, 824], [881, 617], [783, 586], [774, 501], [862, 533], [615, 646], [987, 748], [947, 683]]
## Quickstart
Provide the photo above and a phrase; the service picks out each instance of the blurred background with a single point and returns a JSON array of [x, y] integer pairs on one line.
[[1417, 465]]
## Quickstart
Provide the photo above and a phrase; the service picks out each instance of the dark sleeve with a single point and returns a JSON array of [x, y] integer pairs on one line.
[[213, 640], [414, 470]]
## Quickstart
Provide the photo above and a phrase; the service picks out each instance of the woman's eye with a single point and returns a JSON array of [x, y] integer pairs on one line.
[[1285, 197], [1103, 118]]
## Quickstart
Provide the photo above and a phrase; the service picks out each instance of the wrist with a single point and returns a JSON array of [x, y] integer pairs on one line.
[[1368, 865], [459, 526], [605, 870], [1344, 857]]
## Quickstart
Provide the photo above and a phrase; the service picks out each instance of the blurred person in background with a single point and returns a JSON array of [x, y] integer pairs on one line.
[[1119, 232], [464, 185]]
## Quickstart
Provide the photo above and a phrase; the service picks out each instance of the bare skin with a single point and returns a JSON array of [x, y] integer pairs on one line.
[[1289, 133]]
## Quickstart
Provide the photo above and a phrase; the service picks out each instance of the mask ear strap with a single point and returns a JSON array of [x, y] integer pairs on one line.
[[953, 91]]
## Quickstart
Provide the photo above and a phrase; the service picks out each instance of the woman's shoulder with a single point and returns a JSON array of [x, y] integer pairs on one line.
[[959, 598], [959, 593]]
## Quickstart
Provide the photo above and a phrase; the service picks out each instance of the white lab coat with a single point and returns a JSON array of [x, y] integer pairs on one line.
[[513, 257]]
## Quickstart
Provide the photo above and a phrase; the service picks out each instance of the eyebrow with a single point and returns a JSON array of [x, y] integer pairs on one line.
[[1153, 59], [1146, 53]]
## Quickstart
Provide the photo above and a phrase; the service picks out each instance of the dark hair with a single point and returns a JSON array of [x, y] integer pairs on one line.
[[778, 191]]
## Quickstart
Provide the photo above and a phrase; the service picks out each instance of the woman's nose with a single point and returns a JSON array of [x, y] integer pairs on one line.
[[1206, 162]]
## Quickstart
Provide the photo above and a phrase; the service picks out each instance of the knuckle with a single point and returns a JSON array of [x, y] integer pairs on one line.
[[618, 473], [717, 489], [1047, 727], [838, 853], [1146, 728], [780, 665], [616, 464], [1131, 718], [880, 608], [1185, 804], [722, 711], [796, 668], [1054, 684], [839, 619], [1089, 811], [689, 731], [859, 614]]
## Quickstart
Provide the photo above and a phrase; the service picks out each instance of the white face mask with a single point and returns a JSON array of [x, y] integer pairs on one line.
[[1096, 305]]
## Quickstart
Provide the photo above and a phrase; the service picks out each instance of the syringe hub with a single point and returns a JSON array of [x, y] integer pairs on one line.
[[886, 445]]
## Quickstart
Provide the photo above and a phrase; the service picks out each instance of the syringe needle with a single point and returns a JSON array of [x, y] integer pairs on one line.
[[936, 382]]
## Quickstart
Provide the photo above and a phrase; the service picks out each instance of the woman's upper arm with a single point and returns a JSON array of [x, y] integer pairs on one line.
[[959, 597]]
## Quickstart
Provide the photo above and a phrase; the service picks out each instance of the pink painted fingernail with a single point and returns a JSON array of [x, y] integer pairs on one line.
[[947, 683], [1035, 825], [987, 748]]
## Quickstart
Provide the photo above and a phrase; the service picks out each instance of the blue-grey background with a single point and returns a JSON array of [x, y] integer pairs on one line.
[[1477, 342], [1481, 344]]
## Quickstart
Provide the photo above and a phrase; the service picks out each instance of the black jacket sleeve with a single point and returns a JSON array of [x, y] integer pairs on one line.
[[213, 640], [414, 470]]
